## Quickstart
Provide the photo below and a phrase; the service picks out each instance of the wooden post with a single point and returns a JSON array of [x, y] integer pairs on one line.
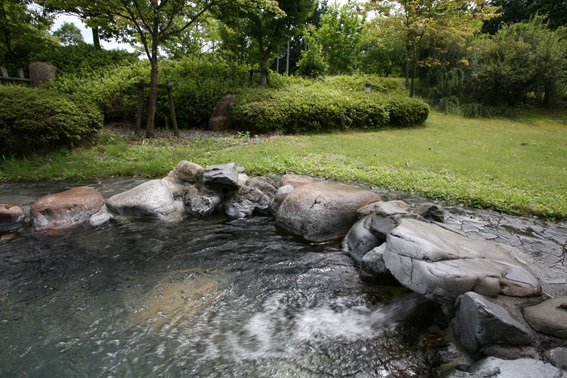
[[5, 74], [140, 108], [172, 109]]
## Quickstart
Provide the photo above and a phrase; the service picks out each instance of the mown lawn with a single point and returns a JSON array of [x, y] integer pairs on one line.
[[517, 166]]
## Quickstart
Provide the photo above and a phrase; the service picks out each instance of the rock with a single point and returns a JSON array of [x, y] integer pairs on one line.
[[12, 207], [12, 217], [322, 211], [386, 217], [373, 268], [360, 240], [549, 317], [182, 176], [281, 193], [430, 211], [479, 322], [41, 73], [557, 357], [247, 201], [264, 184], [201, 203], [220, 118], [442, 264], [65, 210], [497, 368], [222, 175], [100, 218], [295, 180], [367, 210], [152, 198]]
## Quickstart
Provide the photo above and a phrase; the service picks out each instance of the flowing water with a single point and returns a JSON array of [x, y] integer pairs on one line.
[[204, 297]]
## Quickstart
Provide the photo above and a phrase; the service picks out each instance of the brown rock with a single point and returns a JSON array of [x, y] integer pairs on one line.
[[322, 211], [67, 209]]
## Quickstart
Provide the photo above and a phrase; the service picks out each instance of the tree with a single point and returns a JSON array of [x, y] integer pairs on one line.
[[102, 26], [418, 20], [270, 29], [69, 34], [154, 22], [554, 12], [520, 60], [23, 30], [339, 37]]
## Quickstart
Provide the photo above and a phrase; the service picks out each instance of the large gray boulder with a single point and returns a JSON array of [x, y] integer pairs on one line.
[[479, 322], [66, 210], [549, 317], [442, 264], [497, 368], [322, 211], [153, 198]]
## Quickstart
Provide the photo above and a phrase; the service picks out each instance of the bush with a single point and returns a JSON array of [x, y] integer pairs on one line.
[[38, 120], [318, 107]]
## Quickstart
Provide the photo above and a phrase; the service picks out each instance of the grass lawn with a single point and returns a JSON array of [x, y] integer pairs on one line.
[[517, 166]]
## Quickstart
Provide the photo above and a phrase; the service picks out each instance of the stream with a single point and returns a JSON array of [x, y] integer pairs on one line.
[[215, 297]]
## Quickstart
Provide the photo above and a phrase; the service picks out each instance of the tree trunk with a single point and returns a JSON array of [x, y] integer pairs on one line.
[[154, 74], [96, 37], [264, 69]]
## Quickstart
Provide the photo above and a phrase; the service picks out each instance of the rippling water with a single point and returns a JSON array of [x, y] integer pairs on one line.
[[204, 297]]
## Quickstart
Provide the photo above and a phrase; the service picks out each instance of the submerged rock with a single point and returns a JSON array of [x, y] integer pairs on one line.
[[65, 210], [322, 211], [12, 217]]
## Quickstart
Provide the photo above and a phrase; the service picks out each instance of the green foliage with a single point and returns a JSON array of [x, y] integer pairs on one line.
[[325, 106], [521, 61], [69, 34], [83, 59], [312, 64], [37, 120], [197, 87], [23, 31]]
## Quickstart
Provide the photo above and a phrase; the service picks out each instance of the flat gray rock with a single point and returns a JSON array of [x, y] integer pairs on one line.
[[442, 264], [222, 175]]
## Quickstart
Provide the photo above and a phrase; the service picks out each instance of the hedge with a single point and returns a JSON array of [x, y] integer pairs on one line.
[[38, 120], [318, 107]]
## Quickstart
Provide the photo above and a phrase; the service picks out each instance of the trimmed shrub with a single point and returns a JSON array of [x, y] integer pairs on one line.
[[318, 108], [38, 120], [406, 112]]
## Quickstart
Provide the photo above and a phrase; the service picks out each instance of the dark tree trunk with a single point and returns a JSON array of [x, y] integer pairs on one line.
[[96, 37]]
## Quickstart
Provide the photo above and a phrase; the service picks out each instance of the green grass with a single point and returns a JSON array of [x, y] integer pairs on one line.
[[515, 166]]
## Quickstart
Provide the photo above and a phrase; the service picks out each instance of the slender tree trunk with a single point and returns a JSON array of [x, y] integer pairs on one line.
[[264, 69], [154, 77], [96, 37]]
